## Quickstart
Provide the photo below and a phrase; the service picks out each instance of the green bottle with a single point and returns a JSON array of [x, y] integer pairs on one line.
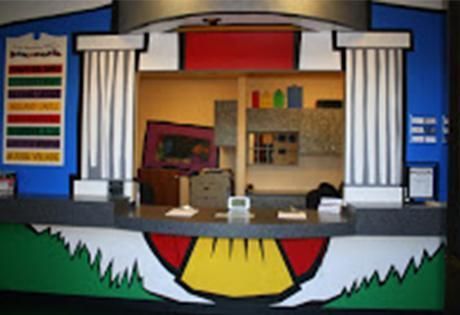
[[278, 99]]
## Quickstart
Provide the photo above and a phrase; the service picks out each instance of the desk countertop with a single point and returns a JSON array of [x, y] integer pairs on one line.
[[354, 220], [264, 224]]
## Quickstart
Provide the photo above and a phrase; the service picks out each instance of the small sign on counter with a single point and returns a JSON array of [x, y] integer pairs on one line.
[[330, 204]]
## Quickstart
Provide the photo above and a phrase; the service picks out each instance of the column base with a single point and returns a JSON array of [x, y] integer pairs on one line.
[[393, 195], [101, 188]]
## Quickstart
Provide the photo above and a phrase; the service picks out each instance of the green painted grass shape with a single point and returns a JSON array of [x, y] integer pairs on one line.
[[418, 289], [41, 263]]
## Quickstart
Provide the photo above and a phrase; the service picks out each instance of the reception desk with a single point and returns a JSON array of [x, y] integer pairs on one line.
[[367, 257]]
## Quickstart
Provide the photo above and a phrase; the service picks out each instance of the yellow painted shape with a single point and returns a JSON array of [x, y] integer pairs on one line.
[[232, 270], [34, 106], [33, 156], [266, 100]]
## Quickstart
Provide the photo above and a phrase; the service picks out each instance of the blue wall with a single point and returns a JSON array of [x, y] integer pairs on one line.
[[426, 77], [55, 180]]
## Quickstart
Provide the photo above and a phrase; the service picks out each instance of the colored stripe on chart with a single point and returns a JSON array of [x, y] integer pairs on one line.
[[35, 81], [33, 156], [33, 131], [32, 143], [34, 106], [34, 93], [52, 68], [34, 119]]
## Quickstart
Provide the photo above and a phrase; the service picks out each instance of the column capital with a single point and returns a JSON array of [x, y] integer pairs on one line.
[[110, 42], [376, 39]]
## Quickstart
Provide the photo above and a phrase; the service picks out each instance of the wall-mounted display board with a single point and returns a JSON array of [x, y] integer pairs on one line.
[[34, 105]]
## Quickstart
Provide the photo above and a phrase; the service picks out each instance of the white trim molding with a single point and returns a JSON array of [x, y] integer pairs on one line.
[[317, 53], [422, 4], [110, 42], [378, 195], [162, 53], [100, 188], [373, 40], [91, 188]]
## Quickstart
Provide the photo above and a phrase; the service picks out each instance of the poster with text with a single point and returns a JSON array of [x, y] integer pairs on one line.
[[34, 106]]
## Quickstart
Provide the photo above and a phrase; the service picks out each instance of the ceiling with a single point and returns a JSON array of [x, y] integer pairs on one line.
[[19, 10]]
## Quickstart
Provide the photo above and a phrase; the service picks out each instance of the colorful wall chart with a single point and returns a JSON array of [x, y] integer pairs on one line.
[[35, 75]]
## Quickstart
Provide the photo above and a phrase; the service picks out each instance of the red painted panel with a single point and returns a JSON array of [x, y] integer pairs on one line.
[[303, 253], [34, 119], [239, 50], [171, 249]]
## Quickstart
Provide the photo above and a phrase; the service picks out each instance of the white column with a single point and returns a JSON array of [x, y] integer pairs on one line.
[[374, 111], [129, 119], [94, 111], [118, 115], [382, 127], [371, 117], [358, 117], [108, 113], [85, 119], [348, 116]]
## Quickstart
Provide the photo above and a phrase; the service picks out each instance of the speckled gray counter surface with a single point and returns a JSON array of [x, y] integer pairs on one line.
[[415, 220], [367, 219], [41, 209], [264, 223]]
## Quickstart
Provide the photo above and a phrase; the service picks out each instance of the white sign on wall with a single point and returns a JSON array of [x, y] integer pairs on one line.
[[34, 106]]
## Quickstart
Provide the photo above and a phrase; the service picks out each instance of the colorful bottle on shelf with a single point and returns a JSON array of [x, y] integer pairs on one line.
[[295, 96], [255, 99], [266, 100], [278, 99]]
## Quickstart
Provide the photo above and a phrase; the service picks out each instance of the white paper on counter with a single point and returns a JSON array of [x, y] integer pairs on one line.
[[330, 208], [182, 212], [292, 215]]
